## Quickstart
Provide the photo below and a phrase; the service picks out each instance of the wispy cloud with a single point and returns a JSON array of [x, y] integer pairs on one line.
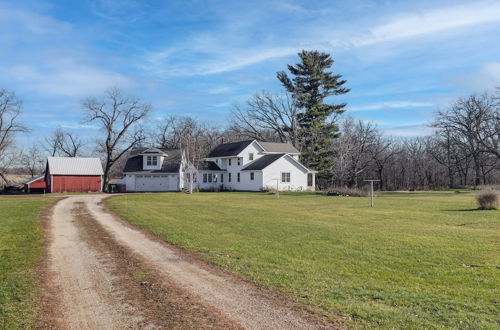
[[68, 79], [391, 105], [209, 62], [123, 11], [412, 130], [487, 77], [432, 21]]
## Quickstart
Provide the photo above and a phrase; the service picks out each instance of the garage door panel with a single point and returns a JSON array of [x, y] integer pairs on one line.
[[156, 183]]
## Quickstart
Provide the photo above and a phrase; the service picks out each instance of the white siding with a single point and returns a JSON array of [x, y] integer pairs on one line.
[[298, 175], [252, 185]]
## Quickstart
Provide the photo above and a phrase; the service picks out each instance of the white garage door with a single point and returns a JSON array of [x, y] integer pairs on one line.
[[156, 182]]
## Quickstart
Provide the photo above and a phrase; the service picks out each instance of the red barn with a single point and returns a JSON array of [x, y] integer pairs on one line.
[[35, 185], [73, 174]]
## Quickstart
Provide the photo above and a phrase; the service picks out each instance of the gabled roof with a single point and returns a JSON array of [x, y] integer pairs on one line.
[[262, 162], [286, 148], [233, 149], [229, 149], [74, 166], [154, 151], [208, 165], [171, 162]]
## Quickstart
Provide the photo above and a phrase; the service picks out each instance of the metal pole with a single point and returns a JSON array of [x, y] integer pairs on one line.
[[371, 185], [278, 188]]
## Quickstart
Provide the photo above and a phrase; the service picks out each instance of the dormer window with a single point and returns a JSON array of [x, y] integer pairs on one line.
[[250, 156], [152, 160], [239, 162]]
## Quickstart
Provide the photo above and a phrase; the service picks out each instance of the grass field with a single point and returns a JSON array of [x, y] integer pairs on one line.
[[20, 249], [416, 260]]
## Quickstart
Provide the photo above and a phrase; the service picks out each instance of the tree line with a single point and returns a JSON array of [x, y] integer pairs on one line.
[[463, 151]]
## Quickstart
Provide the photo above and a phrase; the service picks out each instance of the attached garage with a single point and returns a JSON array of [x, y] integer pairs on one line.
[[153, 169], [73, 174]]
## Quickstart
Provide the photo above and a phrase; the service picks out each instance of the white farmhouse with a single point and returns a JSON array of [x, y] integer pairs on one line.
[[254, 165], [245, 165]]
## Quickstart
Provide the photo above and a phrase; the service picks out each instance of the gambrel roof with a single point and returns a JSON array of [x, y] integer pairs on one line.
[[171, 162]]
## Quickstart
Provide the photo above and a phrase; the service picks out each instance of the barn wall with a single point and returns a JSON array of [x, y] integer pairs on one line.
[[40, 183], [37, 186], [75, 183]]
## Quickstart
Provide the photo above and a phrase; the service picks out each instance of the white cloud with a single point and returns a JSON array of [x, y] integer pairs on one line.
[[123, 11], [487, 77], [433, 21], [211, 59], [69, 79], [219, 90], [25, 22], [391, 105], [412, 130]]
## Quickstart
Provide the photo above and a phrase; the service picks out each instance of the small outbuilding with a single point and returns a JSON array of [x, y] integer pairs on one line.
[[35, 185], [73, 174]]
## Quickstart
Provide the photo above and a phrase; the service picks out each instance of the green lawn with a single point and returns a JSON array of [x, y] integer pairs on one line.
[[416, 260], [20, 249]]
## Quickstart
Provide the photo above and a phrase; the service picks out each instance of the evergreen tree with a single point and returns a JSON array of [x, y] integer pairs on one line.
[[310, 85]]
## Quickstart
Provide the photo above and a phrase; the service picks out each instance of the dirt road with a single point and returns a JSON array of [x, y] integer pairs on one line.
[[105, 274]]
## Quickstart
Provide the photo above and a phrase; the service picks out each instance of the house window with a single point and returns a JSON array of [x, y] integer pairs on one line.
[[250, 156], [251, 176], [239, 162], [229, 177], [205, 178], [209, 177], [229, 162], [152, 161], [222, 177], [238, 178], [285, 177], [214, 177]]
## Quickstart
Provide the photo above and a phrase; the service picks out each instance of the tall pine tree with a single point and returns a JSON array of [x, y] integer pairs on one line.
[[310, 85]]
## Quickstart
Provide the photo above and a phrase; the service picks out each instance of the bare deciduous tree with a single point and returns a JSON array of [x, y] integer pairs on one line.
[[354, 148], [63, 143], [52, 142], [10, 109], [32, 160], [471, 121], [119, 117], [265, 113]]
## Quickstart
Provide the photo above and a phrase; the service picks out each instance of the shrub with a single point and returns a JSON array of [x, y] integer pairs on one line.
[[270, 190], [344, 191], [488, 200]]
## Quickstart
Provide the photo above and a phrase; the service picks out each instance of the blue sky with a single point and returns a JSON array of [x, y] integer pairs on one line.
[[403, 60]]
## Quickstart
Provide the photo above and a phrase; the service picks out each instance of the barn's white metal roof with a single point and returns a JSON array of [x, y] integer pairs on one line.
[[75, 166]]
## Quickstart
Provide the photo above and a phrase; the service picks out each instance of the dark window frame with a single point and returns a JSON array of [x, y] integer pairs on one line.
[[286, 177]]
